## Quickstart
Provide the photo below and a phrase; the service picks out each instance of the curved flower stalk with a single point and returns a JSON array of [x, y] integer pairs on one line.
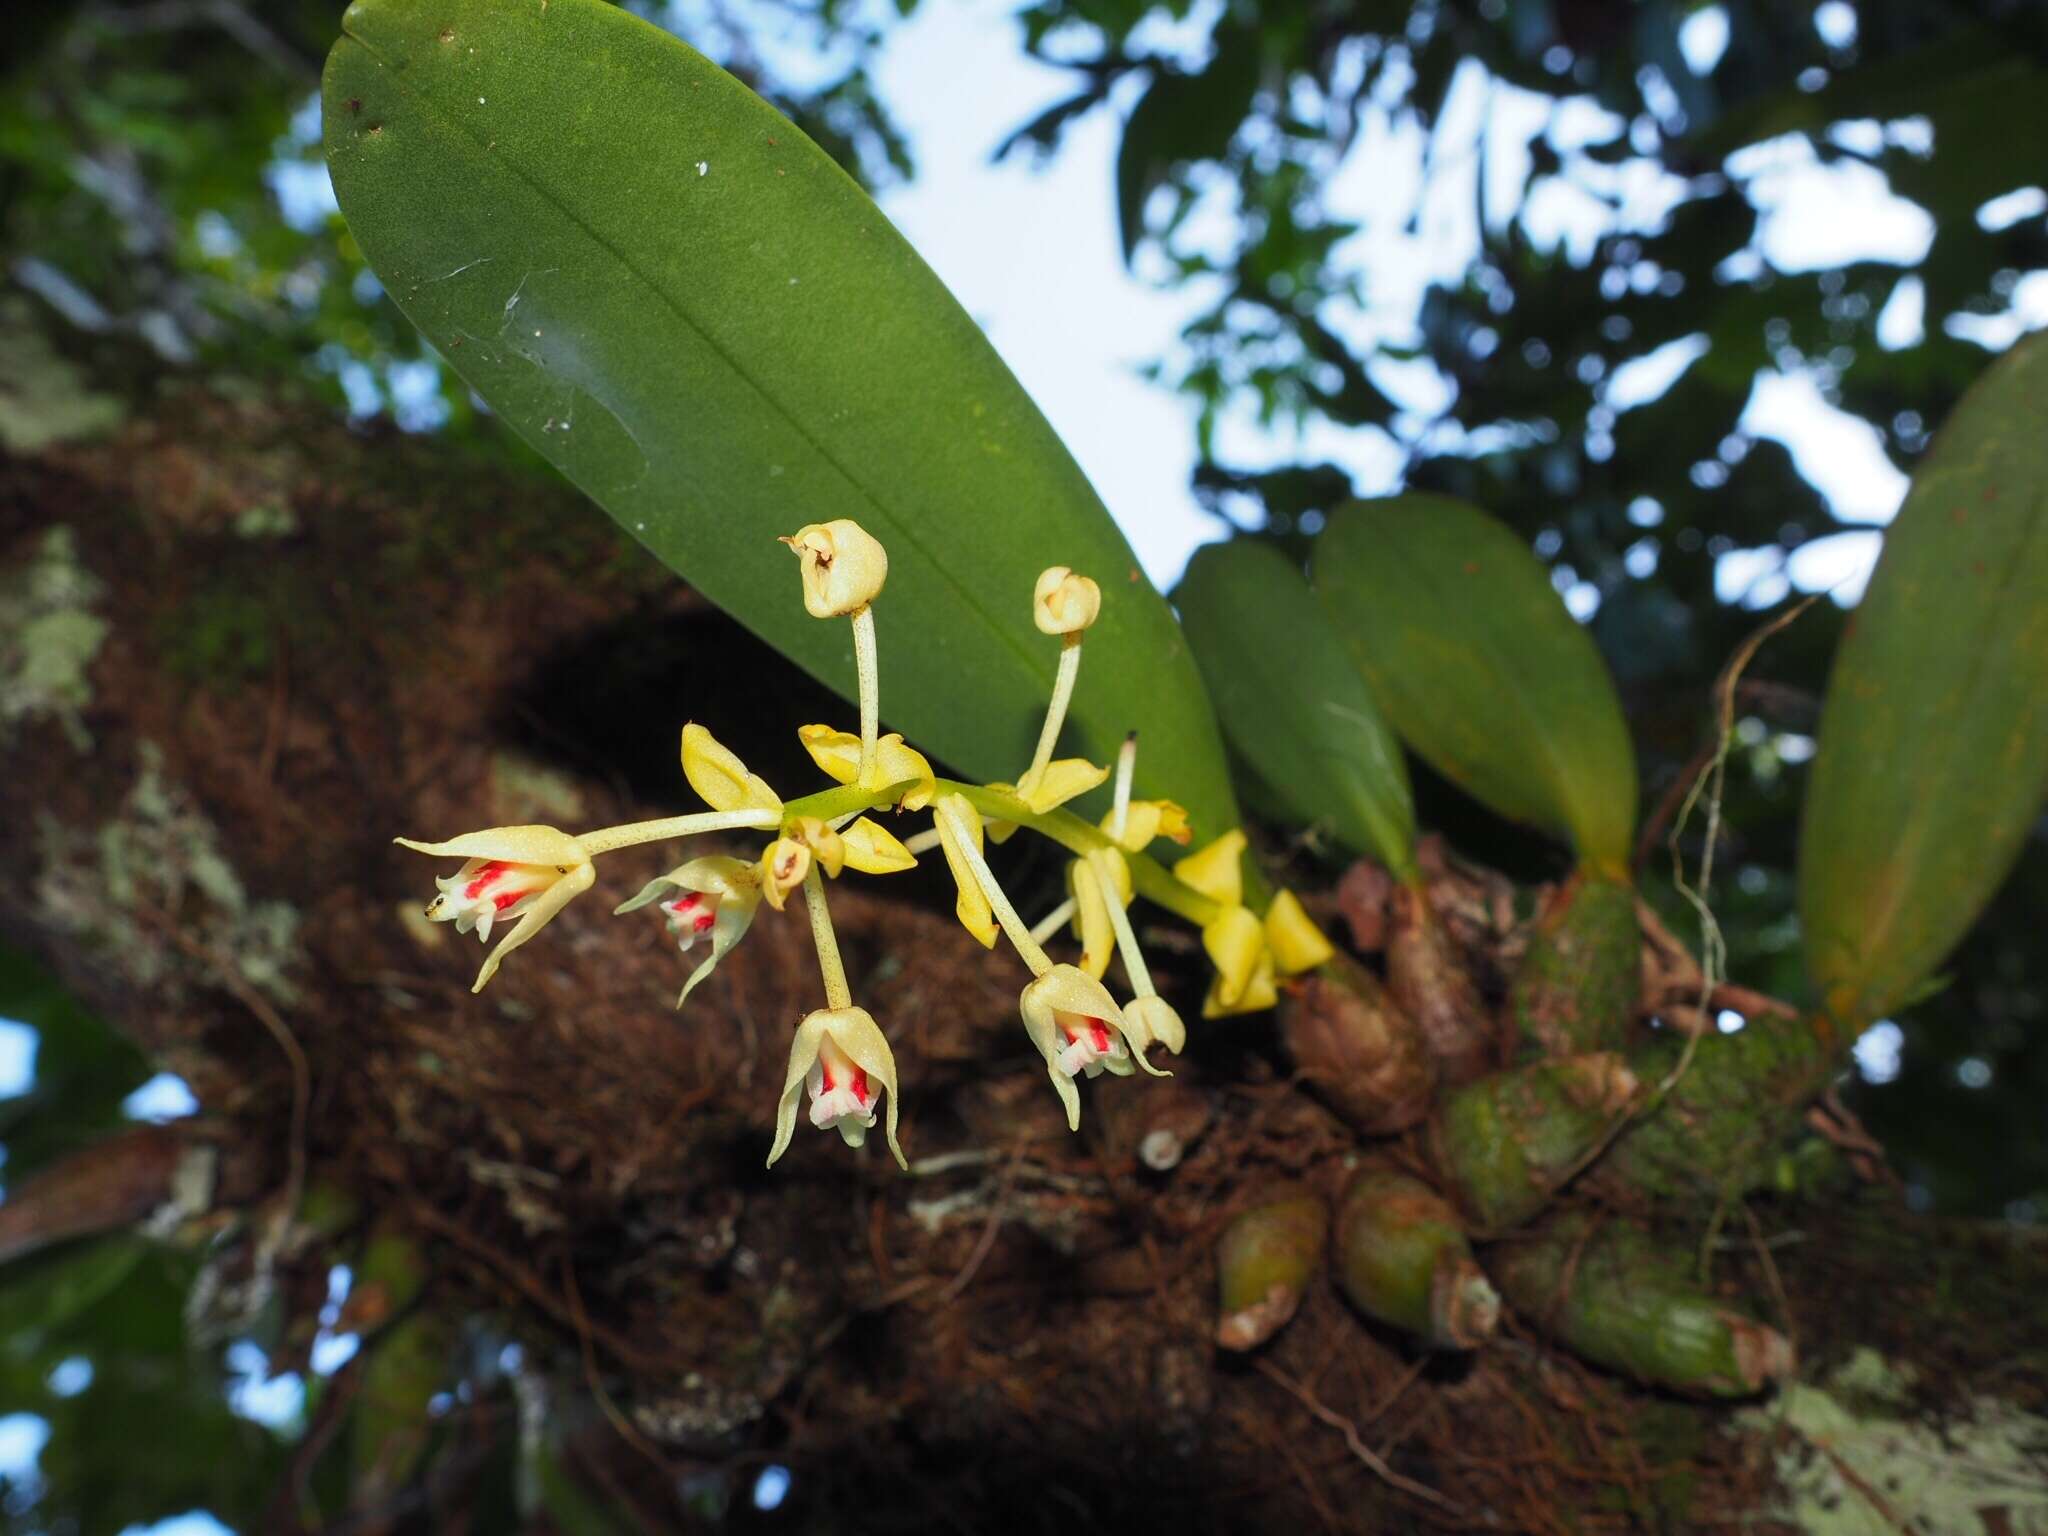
[[839, 1054]]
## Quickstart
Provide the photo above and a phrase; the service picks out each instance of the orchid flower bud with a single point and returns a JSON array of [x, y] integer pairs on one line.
[[1064, 602], [844, 567]]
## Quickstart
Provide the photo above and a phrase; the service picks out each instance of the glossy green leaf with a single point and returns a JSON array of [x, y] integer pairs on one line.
[[1291, 702], [1934, 738], [694, 314], [1474, 659]]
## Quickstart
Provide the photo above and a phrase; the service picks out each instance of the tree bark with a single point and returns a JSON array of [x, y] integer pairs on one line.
[[311, 641]]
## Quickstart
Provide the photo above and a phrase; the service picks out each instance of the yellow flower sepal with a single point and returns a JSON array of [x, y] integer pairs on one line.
[[1145, 820], [972, 905], [539, 848], [826, 845], [855, 1032], [1236, 941], [837, 754], [1059, 782], [1216, 869], [784, 863], [844, 567], [1291, 934], [1153, 1019], [720, 778], [873, 849], [1091, 918], [1260, 992]]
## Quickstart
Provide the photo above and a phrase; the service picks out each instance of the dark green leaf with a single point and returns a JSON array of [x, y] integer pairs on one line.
[[704, 323], [1292, 703], [1475, 661], [1934, 738]]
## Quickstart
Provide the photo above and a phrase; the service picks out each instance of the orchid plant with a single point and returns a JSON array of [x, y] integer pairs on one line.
[[524, 876]]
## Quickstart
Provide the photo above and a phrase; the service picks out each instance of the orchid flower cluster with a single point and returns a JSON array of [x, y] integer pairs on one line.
[[524, 876]]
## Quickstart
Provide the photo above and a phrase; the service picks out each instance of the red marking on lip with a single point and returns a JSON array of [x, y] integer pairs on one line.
[[703, 922], [484, 879], [509, 898], [1098, 1033], [861, 1093]]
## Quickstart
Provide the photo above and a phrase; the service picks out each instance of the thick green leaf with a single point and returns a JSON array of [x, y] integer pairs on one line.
[[1934, 738], [1291, 702], [1475, 661], [697, 317]]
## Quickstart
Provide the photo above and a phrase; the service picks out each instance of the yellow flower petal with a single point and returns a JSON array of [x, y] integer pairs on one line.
[[837, 754], [1234, 940], [826, 845], [873, 849], [971, 906], [1297, 943], [1260, 992], [720, 778], [1150, 1019], [1091, 917], [784, 863], [538, 916], [1149, 819], [1216, 869], [516, 845], [1060, 782]]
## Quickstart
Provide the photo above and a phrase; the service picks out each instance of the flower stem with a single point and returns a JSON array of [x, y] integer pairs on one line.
[[1126, 936], [830, 966], [1056, 711], [1053, 921], [1151, 879], [632, 833], [1027, 947], [1120, 807], [843, 800], [869, 671]]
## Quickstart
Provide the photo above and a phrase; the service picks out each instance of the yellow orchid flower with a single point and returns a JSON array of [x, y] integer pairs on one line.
[[520, 875], [1291, 934], [714, 895], [844, 1057], [720, 778], [972, 905], [873, 849], [844, 567], [837, 754], [784, 863], [1077, 1028], [1145, 820], [1216, 869]]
